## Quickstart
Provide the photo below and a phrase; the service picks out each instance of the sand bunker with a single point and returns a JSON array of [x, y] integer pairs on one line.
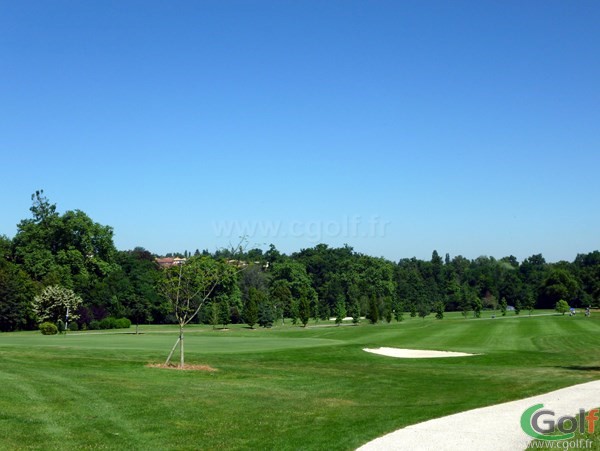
[[415, 353]]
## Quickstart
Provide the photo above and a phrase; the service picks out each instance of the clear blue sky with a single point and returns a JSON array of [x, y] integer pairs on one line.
[[398, 127]]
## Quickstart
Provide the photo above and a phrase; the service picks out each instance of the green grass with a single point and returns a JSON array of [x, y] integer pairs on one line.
[[283, 388]]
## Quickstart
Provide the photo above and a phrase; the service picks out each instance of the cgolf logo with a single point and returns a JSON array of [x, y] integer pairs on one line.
[[539, 423]]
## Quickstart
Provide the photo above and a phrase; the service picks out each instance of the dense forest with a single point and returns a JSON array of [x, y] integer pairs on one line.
[[70, 250]]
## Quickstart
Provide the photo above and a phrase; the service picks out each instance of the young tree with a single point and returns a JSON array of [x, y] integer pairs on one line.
[[214, 314], [464, 303], [251, 307], [304, 310], [562, 306], [387, 314], [188, 286], [399, 314], [355, 312], [57, 303], [413, 310], [477, 306], [503, 306], [439, 310], [340, 310], [353, 298], [517, 307], [265, 314], [373, 315], [423, 309], [529, 302], [398, 309], [387, 309], [224, 312]]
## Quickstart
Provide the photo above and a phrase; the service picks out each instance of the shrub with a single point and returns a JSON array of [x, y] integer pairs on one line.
[[48, 329], [108, 323], [123, 323], [73, 327]]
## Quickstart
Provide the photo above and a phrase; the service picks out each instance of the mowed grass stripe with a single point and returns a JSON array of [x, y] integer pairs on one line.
[[286, 388], [65, 408], [33, 423]]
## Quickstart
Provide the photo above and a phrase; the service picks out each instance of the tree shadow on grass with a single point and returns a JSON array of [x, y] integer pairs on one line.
[[580, 368]]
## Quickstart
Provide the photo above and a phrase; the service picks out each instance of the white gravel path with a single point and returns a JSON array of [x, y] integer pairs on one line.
[[494, 428]]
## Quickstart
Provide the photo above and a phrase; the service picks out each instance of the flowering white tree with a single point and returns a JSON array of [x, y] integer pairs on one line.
[[56, 303]]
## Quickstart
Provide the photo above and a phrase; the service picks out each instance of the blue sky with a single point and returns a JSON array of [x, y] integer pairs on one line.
[[398, 127]]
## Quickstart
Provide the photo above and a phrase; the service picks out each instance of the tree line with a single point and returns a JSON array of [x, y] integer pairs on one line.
[[261, 288]]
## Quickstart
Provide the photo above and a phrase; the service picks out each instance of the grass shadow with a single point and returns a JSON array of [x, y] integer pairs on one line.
[[580, 368]]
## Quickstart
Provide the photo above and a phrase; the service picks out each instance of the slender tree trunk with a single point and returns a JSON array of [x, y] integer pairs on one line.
[[181, 358]]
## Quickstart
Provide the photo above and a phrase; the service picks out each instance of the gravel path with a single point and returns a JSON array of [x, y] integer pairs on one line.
[[494, 428]]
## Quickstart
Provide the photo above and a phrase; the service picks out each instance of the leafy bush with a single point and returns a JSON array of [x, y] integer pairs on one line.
[[48, 328], [123, 323], [108, 323], [73, 327]]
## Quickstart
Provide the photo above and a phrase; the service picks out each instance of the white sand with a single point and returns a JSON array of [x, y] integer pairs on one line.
[[415, 353], [494, 428]]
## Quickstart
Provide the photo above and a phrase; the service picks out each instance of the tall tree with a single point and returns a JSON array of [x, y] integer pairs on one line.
[[70, 250], [16, 292], [560, 284]]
